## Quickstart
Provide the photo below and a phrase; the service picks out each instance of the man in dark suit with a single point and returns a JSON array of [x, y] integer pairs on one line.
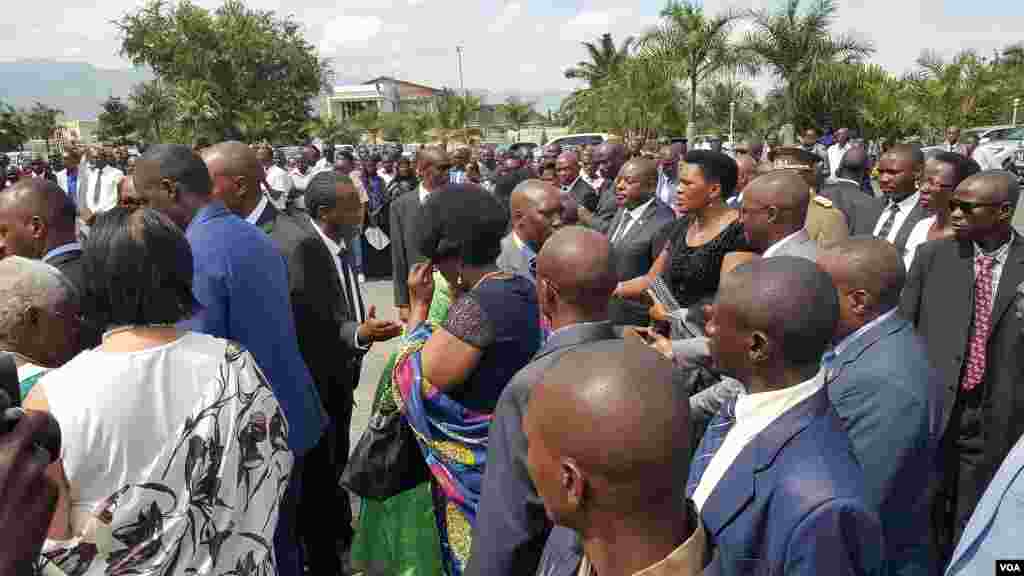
[[575, 282], [883, 388], [432, 166], [609, 158], [899, 171], [38, 222], [861, 211], [634, 234], [567, 167], [536, 208], [334, 331], [961, 296], [775, 477]]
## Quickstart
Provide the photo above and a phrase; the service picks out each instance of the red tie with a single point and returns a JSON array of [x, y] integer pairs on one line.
[[982, 323]]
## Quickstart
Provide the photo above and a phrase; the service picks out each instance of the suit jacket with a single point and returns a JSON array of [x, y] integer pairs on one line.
[[861, 211], [511, 526], [405, 250], [585, 195], [634, 254], [917, 213], [607, 207], [70, 265], [939, 301], [513, 259], [323, 320], [883, 389], [794, 502], [993, 532], [241, 281]]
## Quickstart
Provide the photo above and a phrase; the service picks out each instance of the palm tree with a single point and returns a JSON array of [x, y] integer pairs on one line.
[[466, 107], [962, 91], [517, 113], [605, 57], [152, 109], [793, 42], [692, 47], [715, 99]]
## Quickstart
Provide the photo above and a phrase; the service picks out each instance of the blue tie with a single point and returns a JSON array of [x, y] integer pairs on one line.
[[712, 441]]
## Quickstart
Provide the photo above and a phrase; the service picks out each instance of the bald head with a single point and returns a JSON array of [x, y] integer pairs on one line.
[[536, 210], [746, 169], [774, 206], [577, 262], [42, 207], [621, 449], [853, 164], [236, 173], [608, 158], [868, 274], [995, 186], [790, 301]]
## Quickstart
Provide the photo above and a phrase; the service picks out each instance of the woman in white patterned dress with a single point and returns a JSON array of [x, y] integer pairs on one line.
[[175, 453]]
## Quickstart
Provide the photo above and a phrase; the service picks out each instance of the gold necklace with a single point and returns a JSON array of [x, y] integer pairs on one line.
[[488, 276]]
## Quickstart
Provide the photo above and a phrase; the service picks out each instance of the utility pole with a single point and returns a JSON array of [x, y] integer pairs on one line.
[[732, 117], [1016, 103], [462, 84]]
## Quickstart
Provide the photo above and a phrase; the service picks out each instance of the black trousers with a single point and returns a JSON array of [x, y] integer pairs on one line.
[[325, 512]]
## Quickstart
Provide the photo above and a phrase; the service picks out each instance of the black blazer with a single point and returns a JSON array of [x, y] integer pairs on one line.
[[323, 322], [405, 250], [939, 301], [606, 207], [633, 256], [585, 195], [917, 213], [861, 211], [70, 265]]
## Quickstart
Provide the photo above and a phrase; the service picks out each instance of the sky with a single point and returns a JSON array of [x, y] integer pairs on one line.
[[509, 46]]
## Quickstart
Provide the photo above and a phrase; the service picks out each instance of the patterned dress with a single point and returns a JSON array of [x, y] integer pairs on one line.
[[177, 458]]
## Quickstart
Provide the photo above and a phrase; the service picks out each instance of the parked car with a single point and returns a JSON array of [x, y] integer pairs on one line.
[[574, 141], [1002, 153]]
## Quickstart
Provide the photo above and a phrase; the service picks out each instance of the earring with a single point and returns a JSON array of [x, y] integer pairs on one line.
[[458, 281]]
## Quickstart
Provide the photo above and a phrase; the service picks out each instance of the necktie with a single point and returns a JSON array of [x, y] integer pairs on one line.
[[889, 222], [828, 362], [346, 280], [715, 434], [622, 227], [975, 372], [96, 189]]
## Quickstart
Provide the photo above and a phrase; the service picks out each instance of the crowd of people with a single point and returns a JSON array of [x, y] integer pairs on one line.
[[611, 361]]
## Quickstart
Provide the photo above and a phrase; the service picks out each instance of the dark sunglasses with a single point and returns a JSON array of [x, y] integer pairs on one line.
[[969, 207]]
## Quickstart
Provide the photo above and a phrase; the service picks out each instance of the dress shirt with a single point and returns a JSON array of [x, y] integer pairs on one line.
[[689, 559], [754, 413], [667, 188], [918, 235], [387, 178], [778, 245], [595, 183], [634, 216], [1000, 255], [573, 185], [72, 190], [906, 205], [111, 177], [851, 338], [62, 249], [854, 182], [254, 216], [300, 181], [279, 181], [835, 156], [424, 194], [336, 251]]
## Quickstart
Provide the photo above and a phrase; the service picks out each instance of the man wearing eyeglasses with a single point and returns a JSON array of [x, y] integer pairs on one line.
[[963, 296]]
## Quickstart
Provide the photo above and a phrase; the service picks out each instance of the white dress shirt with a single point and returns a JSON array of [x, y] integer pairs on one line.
[[918, 236], [109, 177], [279, 182], [424, 194], [387, 178], [906, 205], [62, 249], [336, 249], [997, 268], [754, 413], [254, 216], [778, 245], [835, 156], [667, 188], [301, 181], [634, 218]]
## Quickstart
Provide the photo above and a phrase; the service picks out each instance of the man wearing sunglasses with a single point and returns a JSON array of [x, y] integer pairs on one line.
[[964, 296]]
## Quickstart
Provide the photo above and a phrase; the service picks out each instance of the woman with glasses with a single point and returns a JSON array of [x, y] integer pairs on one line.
[[175, 451], [943, 172]]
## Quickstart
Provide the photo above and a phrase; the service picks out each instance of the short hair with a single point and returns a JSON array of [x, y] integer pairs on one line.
[[716, 167], [322, 192], [463, 221], [184, 166], [345, 155], [963, 168], [137, 267], [25, 282]]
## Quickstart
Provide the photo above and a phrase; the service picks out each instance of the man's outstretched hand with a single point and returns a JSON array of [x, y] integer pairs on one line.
[[376, 330]]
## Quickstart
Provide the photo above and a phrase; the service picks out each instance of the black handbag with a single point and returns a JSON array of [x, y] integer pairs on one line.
[[387, 459]]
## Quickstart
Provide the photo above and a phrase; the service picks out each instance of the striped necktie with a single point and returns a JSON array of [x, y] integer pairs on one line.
[[715, 434]]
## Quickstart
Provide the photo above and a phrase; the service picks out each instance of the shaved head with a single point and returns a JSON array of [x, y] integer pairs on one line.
[[785, 307], [596, 444], [854, 163], [236, 173], [38, 216], [530, 193], [995, 186], [577, 261], [746, 169], [536, 208], [868, 274], [774, 206]]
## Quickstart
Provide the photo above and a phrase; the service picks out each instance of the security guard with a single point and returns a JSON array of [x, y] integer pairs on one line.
[[826, 224]]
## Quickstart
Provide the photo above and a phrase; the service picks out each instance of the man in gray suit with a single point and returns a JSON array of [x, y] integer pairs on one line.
[[861, 211], [536, 208], [609, 158], [574, 283], [884, 390], [432, 166], [635, 234]]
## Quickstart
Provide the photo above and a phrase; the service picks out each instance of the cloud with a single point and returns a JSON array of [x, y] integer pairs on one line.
[[349, 31], [586, 26]]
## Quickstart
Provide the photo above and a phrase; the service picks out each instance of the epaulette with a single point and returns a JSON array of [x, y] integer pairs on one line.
[[823, 201]]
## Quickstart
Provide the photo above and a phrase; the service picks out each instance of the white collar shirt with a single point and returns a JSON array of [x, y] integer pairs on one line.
[[254, 216], [835, 157], [1000, 256], [906, 205], [635, 216], [774, 248]]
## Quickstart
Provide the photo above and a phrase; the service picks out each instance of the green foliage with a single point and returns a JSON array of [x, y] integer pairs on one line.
[[40, 122], [233, 70], [605, 58], [153, 109], [333, 131], [517, 113], [13, 129], [115, 122], [965, 91]]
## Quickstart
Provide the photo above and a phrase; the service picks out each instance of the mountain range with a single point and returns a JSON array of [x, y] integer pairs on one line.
[[79, 88]]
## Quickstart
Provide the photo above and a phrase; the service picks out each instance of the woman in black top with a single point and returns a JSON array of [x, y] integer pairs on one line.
[[697, 242]]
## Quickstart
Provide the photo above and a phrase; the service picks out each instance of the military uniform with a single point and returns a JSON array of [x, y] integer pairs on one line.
[[825, 223]]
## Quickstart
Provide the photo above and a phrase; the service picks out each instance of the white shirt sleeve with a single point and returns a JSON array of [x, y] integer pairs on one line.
[[280, 181]]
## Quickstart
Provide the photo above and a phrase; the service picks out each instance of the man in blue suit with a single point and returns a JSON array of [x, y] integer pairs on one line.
[[882, 387], [241, 281], [775, 478], [994, 530]]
